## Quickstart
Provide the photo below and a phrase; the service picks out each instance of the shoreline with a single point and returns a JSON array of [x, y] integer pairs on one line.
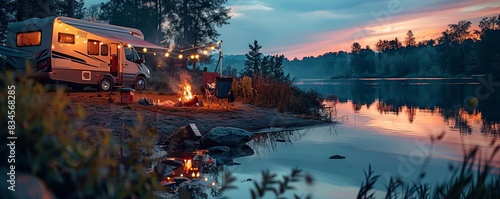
[[104, 113]]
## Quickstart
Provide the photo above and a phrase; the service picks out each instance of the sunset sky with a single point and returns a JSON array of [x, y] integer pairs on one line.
[[299, 28]]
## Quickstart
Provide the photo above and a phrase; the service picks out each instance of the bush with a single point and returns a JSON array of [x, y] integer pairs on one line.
[[52, 146], [270, 93]]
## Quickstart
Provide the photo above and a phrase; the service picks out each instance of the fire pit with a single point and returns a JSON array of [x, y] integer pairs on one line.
[[186, 96]]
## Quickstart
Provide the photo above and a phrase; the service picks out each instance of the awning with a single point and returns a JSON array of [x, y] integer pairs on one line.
[[124, 37]]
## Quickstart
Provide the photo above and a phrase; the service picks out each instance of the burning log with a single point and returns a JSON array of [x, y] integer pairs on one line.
[[193, 101]]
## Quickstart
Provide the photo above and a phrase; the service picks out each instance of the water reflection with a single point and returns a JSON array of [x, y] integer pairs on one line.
[[454, 99], [189, 172], [269, 141]]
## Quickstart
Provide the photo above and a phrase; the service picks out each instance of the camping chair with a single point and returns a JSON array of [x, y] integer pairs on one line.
[[222, 89], [208, 87]]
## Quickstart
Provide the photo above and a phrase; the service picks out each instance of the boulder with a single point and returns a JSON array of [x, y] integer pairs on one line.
[[226, 136], [218, 149], [228, 157]]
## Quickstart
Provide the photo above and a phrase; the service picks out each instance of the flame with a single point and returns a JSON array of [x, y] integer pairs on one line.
[[185, 92]]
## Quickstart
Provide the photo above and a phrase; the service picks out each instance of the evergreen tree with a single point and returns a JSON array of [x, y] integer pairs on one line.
[[278, 71], [410, 39], [254, 60]]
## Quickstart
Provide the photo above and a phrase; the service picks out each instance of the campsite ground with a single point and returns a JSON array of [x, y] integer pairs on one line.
[[105, 113]]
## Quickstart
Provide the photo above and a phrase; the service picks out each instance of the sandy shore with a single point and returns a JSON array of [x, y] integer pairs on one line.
[[105, 113]]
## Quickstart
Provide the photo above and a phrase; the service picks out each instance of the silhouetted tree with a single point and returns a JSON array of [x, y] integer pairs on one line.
[[253, 61], [355, 48], [460, 31], [489, 23], [410, 39]]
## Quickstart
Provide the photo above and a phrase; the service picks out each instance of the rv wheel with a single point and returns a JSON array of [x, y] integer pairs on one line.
[[140, 83], [105, 84]]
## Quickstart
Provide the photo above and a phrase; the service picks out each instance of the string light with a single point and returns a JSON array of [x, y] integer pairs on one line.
[[180, 56], [144, 50], [167, 54]]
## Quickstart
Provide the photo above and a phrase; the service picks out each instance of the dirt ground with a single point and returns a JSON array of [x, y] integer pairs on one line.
[[105, 113]]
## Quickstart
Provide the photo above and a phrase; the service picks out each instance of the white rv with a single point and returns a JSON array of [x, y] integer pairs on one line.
[[77, 52]]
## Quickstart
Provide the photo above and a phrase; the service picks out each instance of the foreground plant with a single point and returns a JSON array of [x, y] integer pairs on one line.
[[53, 147], [473, 178]]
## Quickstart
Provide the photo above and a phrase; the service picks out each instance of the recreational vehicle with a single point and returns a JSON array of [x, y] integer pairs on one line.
[[78, 53]]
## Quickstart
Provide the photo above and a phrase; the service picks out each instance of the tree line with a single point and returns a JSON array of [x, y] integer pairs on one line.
[[457, 52]]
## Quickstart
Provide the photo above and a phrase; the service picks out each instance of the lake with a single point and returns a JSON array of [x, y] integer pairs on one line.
[[385, 123]]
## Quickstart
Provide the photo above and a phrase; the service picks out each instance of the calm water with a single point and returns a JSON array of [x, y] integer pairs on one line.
[[383, 123]]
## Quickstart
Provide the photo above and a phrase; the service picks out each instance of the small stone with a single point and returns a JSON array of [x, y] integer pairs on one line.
[[337, 157]]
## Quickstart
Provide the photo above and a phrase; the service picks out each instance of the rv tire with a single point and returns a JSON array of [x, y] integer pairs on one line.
[[105, 84], [140, 83]]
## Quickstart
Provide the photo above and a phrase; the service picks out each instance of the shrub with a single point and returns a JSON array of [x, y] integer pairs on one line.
[[52, 146], [270, 93]]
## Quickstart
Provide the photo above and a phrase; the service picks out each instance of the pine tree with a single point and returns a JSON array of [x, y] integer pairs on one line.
[[254, 60], [410, 39]]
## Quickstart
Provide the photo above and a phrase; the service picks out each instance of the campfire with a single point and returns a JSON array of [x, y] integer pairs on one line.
[[186, 97]]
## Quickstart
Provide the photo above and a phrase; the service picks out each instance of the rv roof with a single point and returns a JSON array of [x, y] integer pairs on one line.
[[127, 35], [101, 26]]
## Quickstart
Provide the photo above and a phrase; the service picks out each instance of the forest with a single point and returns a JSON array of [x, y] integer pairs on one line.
[[458, 52]]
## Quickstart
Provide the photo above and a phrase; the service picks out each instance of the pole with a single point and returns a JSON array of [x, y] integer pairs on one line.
[[220, 57]]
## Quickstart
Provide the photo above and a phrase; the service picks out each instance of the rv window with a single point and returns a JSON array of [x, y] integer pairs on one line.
[[29, 38], [93, 47], [66, 38], [131, 55], [104, 50]]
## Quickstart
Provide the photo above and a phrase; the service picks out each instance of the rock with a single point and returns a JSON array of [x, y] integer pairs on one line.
[[145, 102], [228, 157], [226, 136], [337, 157], [218, 149]]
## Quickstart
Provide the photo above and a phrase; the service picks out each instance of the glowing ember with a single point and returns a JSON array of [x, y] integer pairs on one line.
[[185, 92]]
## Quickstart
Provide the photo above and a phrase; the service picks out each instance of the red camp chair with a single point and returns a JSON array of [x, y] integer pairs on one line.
[[208, 87]]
